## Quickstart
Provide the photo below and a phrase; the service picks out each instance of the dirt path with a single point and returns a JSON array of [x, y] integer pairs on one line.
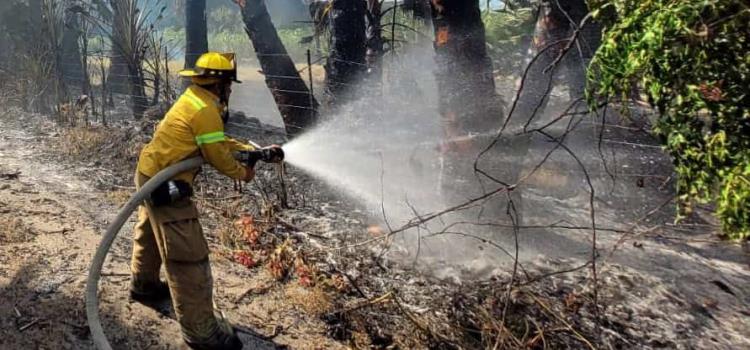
[[50, 225], [51, 221]]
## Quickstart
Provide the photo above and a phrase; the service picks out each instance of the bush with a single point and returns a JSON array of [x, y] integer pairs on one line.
[[692, 59]]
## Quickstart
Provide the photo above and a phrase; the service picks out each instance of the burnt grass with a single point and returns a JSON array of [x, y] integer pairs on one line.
[[380, 303]]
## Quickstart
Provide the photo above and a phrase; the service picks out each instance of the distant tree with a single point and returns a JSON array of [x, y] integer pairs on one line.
[[71, 66], [129, 27], [196, 31], [4, 50], [8, 26]]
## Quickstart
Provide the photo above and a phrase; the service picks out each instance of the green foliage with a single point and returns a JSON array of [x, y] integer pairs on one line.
[[692, 59], [508, 34], [226, 33], [225, 19]]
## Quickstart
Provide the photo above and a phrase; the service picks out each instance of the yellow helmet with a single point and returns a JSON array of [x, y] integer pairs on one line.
[[213, 67]]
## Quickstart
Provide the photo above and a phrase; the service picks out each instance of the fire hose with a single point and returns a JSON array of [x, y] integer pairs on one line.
[[270, 154]]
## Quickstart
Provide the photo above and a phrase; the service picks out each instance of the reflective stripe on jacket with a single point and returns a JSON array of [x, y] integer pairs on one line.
[[192, 127]]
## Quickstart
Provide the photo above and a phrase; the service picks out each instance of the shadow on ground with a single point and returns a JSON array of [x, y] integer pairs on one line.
[[37, 314]]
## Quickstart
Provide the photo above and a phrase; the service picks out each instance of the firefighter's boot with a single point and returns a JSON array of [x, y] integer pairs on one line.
[[220, 340], [148, 292]]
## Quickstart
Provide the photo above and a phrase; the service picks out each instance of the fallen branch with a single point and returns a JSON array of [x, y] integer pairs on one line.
[[424, 328], [561, 319], [28, 325]]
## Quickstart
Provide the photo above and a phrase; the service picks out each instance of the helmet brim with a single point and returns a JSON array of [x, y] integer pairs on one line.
[[192, 73], [189, 73]]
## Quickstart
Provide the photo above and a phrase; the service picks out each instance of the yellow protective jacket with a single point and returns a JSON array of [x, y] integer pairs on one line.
[[192, 127]]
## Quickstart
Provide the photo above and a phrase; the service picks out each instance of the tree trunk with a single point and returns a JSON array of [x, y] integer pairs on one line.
[[118, 66], [554, 25], [5, 42], [138, 97], [84, 47], [298, 110], [346, 60], [4, 50], [72, 68], [419, 8], [196, 32], [83, 44], [466, 87], [374, 41]]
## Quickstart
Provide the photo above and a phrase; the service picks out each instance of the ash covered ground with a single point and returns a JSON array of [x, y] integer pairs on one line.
[[301, 265]]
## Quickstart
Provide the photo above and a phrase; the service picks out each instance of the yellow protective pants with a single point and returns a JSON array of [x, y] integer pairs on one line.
[[172, 235]]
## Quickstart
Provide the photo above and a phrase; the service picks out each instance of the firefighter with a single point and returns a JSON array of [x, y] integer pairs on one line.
[[168, 231]]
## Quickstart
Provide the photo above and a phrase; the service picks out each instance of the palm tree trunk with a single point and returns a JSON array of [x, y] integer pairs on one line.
[[346, 60], [466, 87], [374, 41], [298, 109], [138, 97], [72, 68], [119, 81]]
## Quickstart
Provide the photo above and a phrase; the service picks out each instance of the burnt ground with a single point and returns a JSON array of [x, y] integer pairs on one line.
[[302, 277]]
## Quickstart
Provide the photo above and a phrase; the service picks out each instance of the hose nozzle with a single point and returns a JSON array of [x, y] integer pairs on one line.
[[270, 154]]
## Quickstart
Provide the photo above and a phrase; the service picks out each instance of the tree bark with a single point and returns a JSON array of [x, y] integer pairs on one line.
[[139, 100], [71, 61], [298, 110], [466, 87], [119, 81], [556, 22], [346, 60], [196, 31], [4, 49], [419, 8], [374, 41]]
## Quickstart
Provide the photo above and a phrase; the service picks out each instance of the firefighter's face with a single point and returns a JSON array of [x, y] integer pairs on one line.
[[225, 91]]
